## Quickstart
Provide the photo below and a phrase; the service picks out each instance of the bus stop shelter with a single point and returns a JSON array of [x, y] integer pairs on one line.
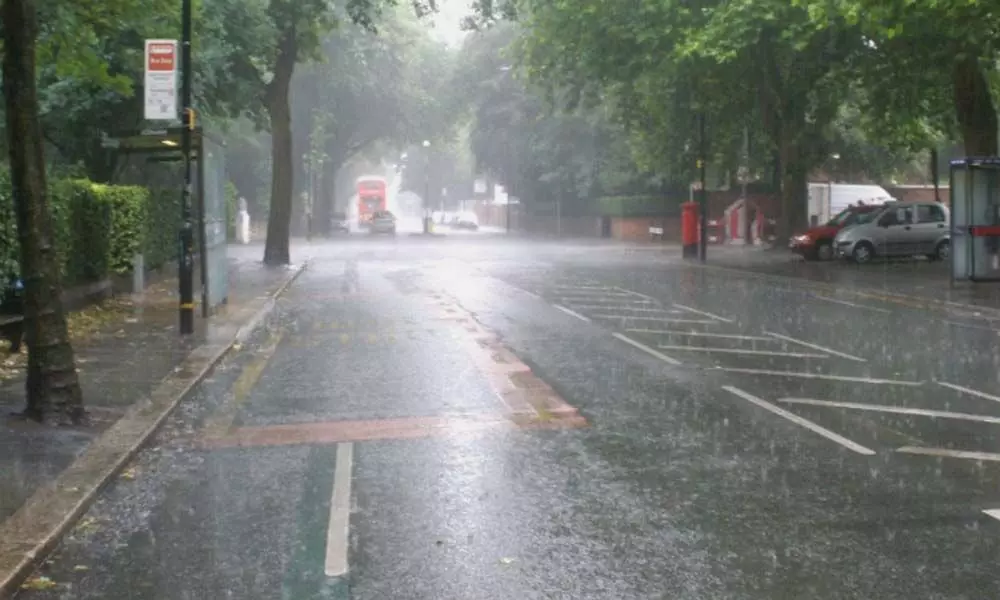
[[208, 198]]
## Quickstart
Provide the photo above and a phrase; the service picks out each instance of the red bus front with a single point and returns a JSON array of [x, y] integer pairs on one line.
[[371, 198]]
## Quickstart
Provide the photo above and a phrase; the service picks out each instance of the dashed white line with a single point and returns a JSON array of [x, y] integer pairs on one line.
[[728, 336], [993, 512], [646, 349], [901, 410], [852, 304], [794, 418], [571, 313], [815, 346], [741, 351], [949, 453], [703, 313], [871, 380], [337, 533], [970, 391]]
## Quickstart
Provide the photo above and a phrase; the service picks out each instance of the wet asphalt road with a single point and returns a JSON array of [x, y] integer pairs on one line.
[[745, 439]]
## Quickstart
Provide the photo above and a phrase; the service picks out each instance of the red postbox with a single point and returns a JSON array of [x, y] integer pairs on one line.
[[689, 229]]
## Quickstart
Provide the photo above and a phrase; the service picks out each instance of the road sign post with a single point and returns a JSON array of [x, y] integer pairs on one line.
[[160, 81], [186, 258]]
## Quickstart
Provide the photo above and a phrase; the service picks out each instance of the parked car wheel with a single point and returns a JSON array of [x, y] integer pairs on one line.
[[942, 251], [824, 250], [863, 252]]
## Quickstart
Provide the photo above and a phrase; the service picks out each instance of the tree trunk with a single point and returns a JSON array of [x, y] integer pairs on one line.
[[53, 389], [276, 248], [977, 115], [325, 196], [794, 189]]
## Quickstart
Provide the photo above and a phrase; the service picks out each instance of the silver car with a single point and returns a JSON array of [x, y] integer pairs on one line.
[[383, 221], [900, 229]]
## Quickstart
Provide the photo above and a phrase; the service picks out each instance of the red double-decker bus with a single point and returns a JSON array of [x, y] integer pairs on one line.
[[372, 192]]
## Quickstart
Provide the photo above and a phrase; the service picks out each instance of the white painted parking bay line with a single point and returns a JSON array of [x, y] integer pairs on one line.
[[703, 313], [646, 349], [949, 453], [603, 300], [815, 346], [639, 309], [970, 391], [657, 319], [853, 304], [819, 376], [571, 313], [900, 410], [727, 336], [740, 351], [337, 533], [993, 512], [794, 418]]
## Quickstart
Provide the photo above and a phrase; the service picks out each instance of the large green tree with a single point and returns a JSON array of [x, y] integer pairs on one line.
[[736, 64], [53, 388], [925, 66], [367, 88], [268, 38]]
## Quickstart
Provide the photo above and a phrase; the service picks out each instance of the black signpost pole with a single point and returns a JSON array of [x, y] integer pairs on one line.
[[703, 192], [186, 254]]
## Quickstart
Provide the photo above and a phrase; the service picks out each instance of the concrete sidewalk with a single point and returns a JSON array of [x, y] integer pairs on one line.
[[134, 368]]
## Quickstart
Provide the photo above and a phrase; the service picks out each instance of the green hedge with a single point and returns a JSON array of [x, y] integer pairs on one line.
[[98, 228], [638, 206]]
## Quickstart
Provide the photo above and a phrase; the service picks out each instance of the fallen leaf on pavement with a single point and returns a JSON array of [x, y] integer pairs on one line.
[[129, 473], [38, 583]]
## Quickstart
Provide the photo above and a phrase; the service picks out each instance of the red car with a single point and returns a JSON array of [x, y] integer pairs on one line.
[[817, 242]]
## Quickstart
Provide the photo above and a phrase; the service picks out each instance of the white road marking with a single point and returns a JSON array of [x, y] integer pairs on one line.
[[970, 391], [657, 319], [532, 294], [728, 336], [666, 311], [646, 349], [740, 351], [337, 533], [820, 376], [630, 292], [604, 300], [595, 288], [902, 410], [993, 512], [948, 453], [594, 294], [571, 313], [815, 346], [853, 304], [703, 313], [794, 418]]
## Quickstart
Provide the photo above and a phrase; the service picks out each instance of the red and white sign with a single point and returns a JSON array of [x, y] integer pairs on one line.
[[160, 90]]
